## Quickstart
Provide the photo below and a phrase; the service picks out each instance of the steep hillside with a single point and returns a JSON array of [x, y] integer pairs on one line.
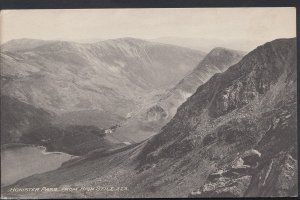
[[104, 77], [250, 106], [235, 137], [140, 126], [23, 123], [217, 61], [73, 139], [18, 118]]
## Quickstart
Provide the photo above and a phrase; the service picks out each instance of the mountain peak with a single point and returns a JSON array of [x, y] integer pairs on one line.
[[23, 40], [221, 58], [220, 50], [129, 40]]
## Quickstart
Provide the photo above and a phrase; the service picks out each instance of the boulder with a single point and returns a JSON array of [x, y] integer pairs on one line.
[[251, 158], [238, 163]]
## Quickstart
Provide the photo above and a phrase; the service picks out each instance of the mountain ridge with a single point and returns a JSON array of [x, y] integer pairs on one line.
[[108, 76]]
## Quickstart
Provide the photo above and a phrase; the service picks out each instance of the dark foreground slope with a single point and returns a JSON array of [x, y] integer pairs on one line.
[[236, 136]]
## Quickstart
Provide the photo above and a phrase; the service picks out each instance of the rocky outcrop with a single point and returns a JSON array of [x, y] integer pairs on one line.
[[277, 178], [155, 113], [251, 158], [264, 70], [287, 181], [232, 181]]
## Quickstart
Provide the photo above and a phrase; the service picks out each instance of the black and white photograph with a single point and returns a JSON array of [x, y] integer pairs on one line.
[[148, 103]]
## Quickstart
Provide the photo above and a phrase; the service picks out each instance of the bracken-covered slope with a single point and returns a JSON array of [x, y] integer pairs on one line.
[[152, 117], [235, 137]]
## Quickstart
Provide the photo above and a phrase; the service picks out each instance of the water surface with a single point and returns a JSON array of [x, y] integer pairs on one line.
[[23, 161]]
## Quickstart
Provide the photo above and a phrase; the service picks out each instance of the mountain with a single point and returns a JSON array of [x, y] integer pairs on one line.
[[105, 79], [216, 61], [23, 44], [81, 40], [236, 136], [251, 106], [151, 118]]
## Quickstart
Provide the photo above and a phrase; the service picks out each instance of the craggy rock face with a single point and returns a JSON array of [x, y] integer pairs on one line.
[[248, 110], [287, 179], [232, 181], [278, 177], [240, 180], [240, 85], [251, 77]]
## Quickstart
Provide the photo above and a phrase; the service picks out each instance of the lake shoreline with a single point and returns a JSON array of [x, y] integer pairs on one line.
[[45, 150]]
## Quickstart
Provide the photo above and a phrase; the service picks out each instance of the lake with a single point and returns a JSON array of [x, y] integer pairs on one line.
[[22, 161]]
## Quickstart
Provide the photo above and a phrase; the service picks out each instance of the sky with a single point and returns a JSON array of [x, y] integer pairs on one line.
[[262, 24]]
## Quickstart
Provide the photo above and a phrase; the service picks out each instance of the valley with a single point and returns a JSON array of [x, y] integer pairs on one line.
[[96, 84], [226, 126], [158, 112]]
